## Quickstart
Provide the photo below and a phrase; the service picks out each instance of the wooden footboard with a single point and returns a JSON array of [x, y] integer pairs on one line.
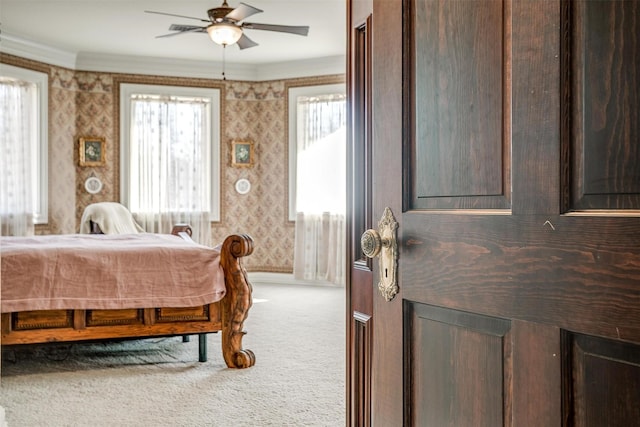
[[237, 301], [227, 315]]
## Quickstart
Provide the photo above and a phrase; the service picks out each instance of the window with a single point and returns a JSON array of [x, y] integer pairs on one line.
[[317, 149], [317, 181], [170, 156], [24, 130]]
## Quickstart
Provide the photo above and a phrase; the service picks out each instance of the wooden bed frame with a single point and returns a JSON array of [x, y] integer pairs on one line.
[[227, 315]]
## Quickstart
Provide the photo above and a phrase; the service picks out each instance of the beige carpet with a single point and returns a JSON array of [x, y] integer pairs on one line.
[[296, 332]]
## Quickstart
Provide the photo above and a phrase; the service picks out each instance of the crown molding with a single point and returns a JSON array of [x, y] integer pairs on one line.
[[326, 66], [210, 69], [111, 63], [35, 51]]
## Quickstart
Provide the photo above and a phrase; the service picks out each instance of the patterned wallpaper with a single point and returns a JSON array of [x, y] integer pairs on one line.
[[86, 104]]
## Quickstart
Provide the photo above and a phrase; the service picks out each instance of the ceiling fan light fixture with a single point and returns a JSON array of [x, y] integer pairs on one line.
[[224, 33]]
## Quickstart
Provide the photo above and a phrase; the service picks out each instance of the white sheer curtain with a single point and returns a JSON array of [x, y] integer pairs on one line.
[[18, 121], [170, 179], [319, 252]]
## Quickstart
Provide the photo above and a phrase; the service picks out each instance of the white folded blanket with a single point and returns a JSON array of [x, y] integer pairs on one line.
[[111, 217]]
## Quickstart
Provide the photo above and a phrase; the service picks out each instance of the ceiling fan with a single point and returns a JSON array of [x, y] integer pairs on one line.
[[226, 25]]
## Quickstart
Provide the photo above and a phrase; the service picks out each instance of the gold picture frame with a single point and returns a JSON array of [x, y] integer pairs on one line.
[[242, 154], [91, 150]]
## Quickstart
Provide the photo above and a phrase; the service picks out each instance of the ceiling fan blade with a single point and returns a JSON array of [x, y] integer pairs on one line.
[[169, 35], [299, 30], [179, 16], [181, 29], [245, 42], [242, 12], [187, 28]]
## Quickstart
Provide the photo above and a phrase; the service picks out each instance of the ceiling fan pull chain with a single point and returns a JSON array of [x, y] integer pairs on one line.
[[224, 49]]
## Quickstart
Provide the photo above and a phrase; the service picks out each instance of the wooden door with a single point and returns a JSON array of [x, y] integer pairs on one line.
[[506, 141]]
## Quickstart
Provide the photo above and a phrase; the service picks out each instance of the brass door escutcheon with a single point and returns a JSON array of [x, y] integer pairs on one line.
[[382, 242]]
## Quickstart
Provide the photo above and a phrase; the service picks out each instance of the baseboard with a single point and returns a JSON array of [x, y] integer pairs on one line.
[[283, 279], [271, 278]]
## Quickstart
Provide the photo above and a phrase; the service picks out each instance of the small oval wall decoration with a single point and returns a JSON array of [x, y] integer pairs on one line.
[[93, 185], [243, 186]]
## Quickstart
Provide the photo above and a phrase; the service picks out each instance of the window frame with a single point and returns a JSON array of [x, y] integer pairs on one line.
[[292, 94], [127, 89], [40, 165]]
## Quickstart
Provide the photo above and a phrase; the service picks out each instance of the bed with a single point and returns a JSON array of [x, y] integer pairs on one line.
[[214, 293]]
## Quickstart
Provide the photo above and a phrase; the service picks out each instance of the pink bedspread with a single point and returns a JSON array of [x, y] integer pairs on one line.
[[89, 271]]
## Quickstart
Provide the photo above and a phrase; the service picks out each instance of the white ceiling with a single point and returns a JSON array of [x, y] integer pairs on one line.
[[121, 27]]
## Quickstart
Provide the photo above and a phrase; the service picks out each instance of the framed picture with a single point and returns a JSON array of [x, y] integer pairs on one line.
[[242, 155], [92, 151]]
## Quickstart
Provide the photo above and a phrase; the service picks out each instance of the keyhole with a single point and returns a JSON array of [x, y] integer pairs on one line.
[[386, 275]]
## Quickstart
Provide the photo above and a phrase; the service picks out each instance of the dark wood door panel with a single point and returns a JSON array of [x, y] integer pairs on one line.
[[603, 387], [458, 67], [462, 380], [604, 100], [360, 395]]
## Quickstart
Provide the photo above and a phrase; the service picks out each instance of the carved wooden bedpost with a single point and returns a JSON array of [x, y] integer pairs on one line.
[[236, 303]]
